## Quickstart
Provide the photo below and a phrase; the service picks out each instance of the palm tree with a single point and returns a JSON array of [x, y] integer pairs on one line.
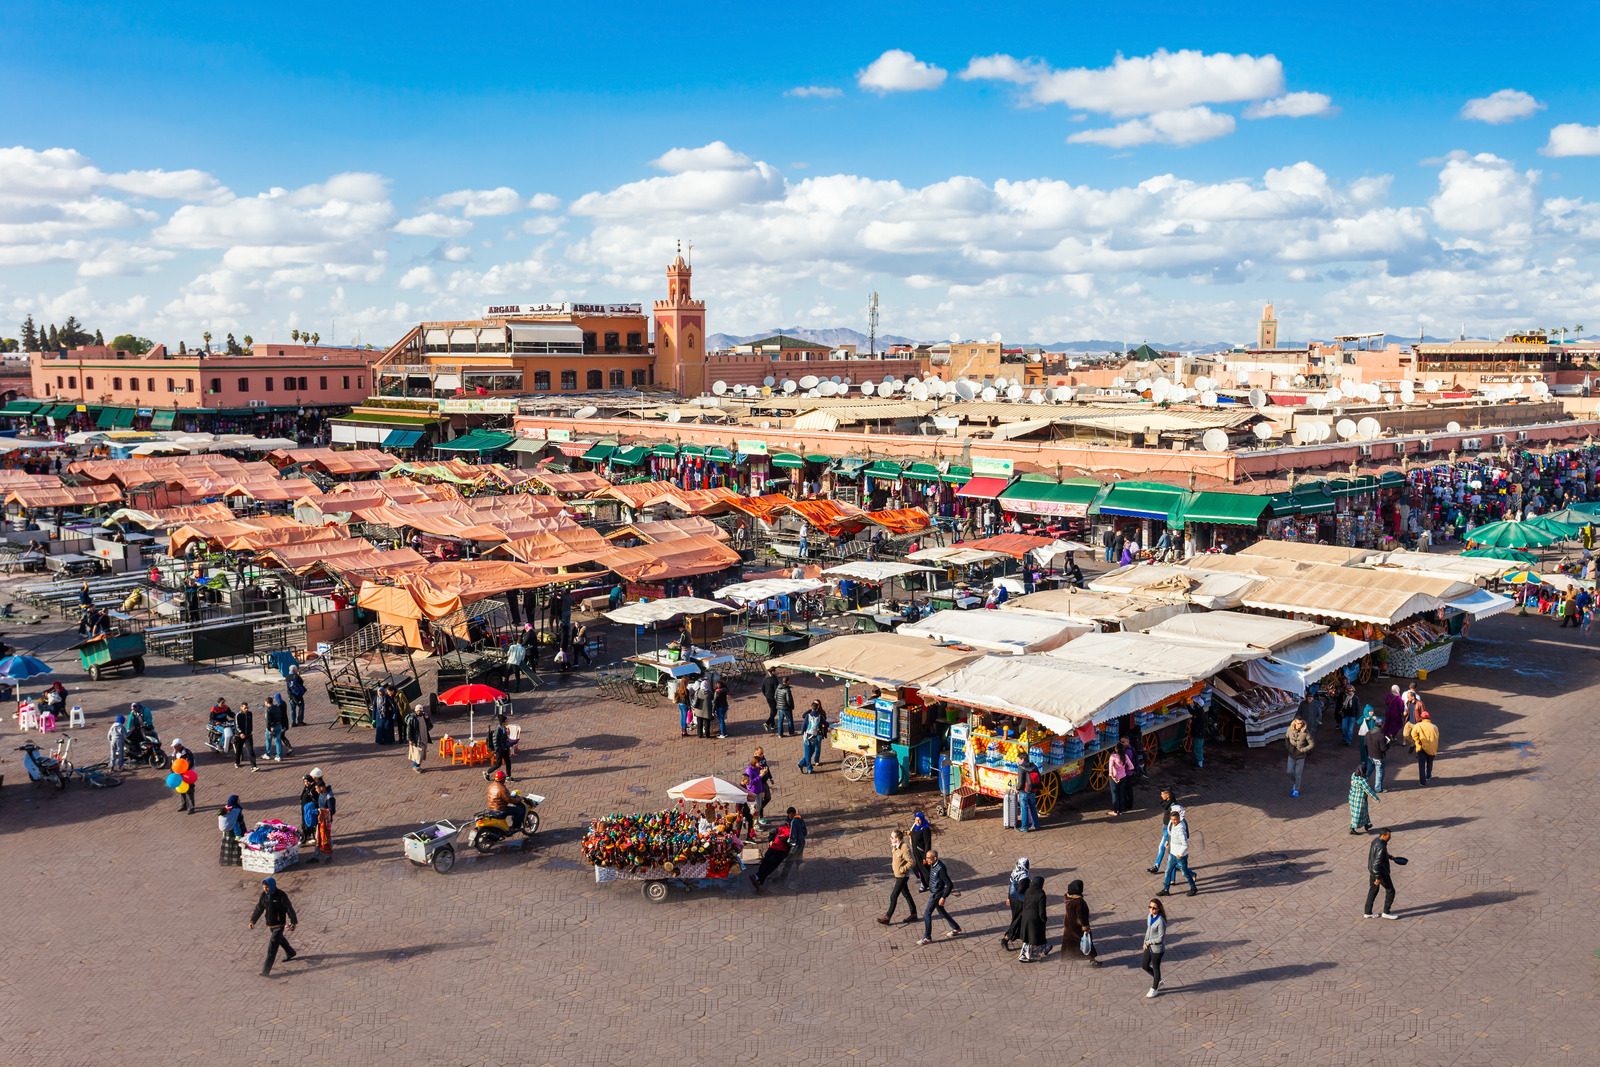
[[249, 342], [315, 338], [207, 337], [294, 335]]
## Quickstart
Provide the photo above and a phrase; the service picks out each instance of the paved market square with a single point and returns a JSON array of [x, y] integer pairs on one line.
[[125, 942]]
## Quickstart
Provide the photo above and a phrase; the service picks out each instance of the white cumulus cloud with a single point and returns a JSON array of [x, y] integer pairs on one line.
[[1292, 106], [1498, 108], [898, 71], [1140, 85], [478, 202], [714, 156], [1573, 139], [432, 224], [814, 92], [1186, 126], [1483, 194]]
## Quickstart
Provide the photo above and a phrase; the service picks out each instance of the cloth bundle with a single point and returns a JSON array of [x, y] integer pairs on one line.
[[272, 835]]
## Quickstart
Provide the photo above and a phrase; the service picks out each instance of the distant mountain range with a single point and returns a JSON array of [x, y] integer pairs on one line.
[[837, 336]]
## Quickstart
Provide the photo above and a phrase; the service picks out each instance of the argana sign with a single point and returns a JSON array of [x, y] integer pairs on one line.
[[507, 311]]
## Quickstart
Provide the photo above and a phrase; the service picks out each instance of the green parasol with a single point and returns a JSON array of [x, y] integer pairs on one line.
[[1511, 534], [1509, 555]]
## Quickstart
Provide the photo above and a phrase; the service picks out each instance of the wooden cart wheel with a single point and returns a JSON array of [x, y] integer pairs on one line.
[[1152, 748], [1049, 793], [855, 766], [1364, 675], [1188, 737], [1099, 776]]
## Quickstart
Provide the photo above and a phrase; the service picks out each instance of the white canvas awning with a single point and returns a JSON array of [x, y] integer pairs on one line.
[[1009, 631], [1237, 627], [546, 333], [651, 612], [876, 570], [889, 660], [1382, 606], [1481, 604], [767, 589], [1320, 656], [1056, 694], [342, 433], [1194, 660], [1178, 584], [954, 556]]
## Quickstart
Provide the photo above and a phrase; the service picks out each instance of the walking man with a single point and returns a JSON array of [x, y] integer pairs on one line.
[[296, 688], [500, 747], [769, 692], [939, 889], [1378, 859], [1300, 743], [783, 699], [186, 799], [1178, 852], [1423, 736], [1028, 783], [244, 735], [1168, 806], [813, 727], [275, 906], [900, 868], [1377, 743], [277, 717]]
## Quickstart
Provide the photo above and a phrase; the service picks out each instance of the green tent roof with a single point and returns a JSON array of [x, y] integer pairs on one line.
[[479, 441], [787, 460], [1391, 479], [163, 420], [629, 457], [1284, 504], [665, 451], [1231, 509], [957, 475], [1043, 489], [883, 468], [402, 439], [693, 450], [718, 454], [818, 457], [599, 452], [1141, 500], [107, 419], [922, 472], [1318, 503]]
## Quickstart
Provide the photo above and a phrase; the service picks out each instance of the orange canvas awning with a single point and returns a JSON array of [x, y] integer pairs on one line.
[[302, 557], [669, 559], [717, 501], [762, 507], [442, 589], [829, 516], [1009, 544], [62, 496], [568, 548], [577, 483], [214, 532], [670, 530], [372, 563], [902, 520], [277, 489]]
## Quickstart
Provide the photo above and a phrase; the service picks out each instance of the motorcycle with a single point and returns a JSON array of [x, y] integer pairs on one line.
[[489, 828], [219, 736], [54, 768], [146, 752]]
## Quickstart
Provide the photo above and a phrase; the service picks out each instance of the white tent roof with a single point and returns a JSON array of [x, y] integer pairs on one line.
[[1320, 656], [1081, 605], [647, 612], [1057, 694], [1337, 555], [1195, 660], [767, 588], [1177, 584], [954, 556], [1482, 604], [1300, 597], [875, 570], [1237, 627], [891, 660], [1010, 631], [1469, 568]]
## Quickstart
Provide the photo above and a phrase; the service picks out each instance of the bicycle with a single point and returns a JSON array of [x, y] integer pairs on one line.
[[97, 776]]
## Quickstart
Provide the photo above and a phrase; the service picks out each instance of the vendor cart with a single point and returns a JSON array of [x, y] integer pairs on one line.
[[105, 653], [659, 670], [656, 880], [433, 845]]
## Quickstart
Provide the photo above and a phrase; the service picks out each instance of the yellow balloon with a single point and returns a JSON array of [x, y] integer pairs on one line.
[[183, 787]]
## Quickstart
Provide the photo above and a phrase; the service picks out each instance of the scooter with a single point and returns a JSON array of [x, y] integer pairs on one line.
[[54, 768], [489, 828], [147, 752]]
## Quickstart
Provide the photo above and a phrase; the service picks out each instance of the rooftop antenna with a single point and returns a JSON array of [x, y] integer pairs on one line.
[[872, 325]]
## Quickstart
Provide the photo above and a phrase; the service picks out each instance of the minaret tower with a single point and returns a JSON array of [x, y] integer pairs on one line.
[[1267, 329], [681, 333]]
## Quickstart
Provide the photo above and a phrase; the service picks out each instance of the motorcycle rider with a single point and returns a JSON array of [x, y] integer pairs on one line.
[[219, 727], [502, 802]]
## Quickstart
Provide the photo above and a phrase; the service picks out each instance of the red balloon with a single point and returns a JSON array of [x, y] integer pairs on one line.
[[191, 777]]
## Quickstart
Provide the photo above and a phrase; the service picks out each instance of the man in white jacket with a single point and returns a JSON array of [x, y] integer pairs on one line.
[[1178, 853]]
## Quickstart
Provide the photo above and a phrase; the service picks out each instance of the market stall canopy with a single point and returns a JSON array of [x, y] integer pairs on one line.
[[575, 483], [670, 529], [901, 522], [1464, 568], [276, 490], [1509, 533], [1179, 585], [829, 516], [1194, 660], [1481, 604], [1313, 659], [357, 566], [954, 556], [1057, 552], [1081, 605], [566, 548], [303, 558], [890, 660], [1297, 596], [662, 562], [1336, 555], [708, 790], [768, 589], [167, 518], [442, 589], [1009, 544], [1265, 632], [876, 571], [998, 631], [235, 531], [1058, 695], [63, 496], [654, 612], [762, 507], [333, 462]]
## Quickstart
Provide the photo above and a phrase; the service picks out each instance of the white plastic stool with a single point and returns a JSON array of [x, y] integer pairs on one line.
[[27, 720], [75, 717]]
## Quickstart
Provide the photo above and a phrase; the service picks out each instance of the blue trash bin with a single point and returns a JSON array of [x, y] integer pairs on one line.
[[944, 775], [886, 776]]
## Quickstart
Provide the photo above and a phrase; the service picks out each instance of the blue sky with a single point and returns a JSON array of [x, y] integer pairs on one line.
[[1153, 171]]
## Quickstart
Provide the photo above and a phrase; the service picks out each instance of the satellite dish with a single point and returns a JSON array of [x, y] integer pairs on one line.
[[1143, 385], [1345, 428], [1244, 378], [719, 387], [812, 393], [1001, 382], [1036, 397], [1203, 383], [936, 387], [1452, 427], [995, 337], [1258, 399], [889, 387], [789, 386], [1263, 431], [586, 413], [989, 393], [1161, 391], [809, 381], [955, 338], [827, 389], [766, 390], [1214, 441], [1066, 393], [1299, 380], [674, 416], [1369, 428], [1319, 401], [1432, 385], [1334, 395], [1371, 392], [1208, 399], [769, 381], [1541, 389], [868, 388], [1013, 392], [919, 391], [965, 389]]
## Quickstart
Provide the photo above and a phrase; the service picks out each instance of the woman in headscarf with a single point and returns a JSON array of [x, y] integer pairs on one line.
[[1034, 934], [1016, 889], [921, 845], [1078, 925], [231, 818]]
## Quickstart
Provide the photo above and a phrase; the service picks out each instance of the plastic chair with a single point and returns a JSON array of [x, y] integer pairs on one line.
[[47, 723], [75, 717], [27, 720], [447, 746]]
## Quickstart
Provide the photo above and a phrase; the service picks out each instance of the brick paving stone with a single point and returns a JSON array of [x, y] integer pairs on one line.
[[126, 943]]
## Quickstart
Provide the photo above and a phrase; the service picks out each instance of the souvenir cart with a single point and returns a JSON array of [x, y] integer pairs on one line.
[[883, 719], [693, 846]]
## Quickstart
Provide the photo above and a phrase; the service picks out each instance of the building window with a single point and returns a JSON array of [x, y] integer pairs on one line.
[[59, 382], [244, 385], [188, 385], [616, 379], [596, 380], [88, 383], [288, 385], [216, 385], [541, 380], [116, 383], [149, 385], [72, 381], [347, 381], [361, 381], [569, 380], [612, 341], [322, 381], [638, 377], [635, 342], [269, 383], [588, 341], [302, 384], [172, 386]]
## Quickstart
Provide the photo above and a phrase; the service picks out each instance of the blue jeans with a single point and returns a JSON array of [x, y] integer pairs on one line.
[[1161, 849], [785, 723], [297, 711], [1174, 865], [1027, 811], [1377, 776], [722, 722], [274, 742], [1199, 750], [810, 752], [1347, 727], [927, 917], [683, 717]]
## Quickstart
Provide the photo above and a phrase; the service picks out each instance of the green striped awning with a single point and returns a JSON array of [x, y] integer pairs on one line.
[[1040, 494], [125, 417], [1230, 509], [818, 457], [786, 460], [107, 419], [718, 454], [883, 468], [957, 475], [1391, 479], [664, 451], [21, 406], [62, 411], [922, 472], [693, 450], [1319, 503], [1141, 500], [479, 441], [402, 439], [1284, 504], [629, 457], [599, 453], [163, 420]]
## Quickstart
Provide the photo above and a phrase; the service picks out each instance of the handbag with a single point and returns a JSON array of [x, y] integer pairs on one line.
[[1086, 943]]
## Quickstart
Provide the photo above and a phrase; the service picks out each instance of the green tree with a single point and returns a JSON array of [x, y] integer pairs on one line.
[[73, 334], [294, 335], [206, 337], [127, 342], [183, 348], [249, 343], [233, 347], [8, 344], [53, 340], [30, 335], [315, 338]]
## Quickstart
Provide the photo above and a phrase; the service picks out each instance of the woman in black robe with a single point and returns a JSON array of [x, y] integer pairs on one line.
[[1034, 937]]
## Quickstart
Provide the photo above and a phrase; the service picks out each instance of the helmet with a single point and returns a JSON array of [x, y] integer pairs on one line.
[[499, 776]]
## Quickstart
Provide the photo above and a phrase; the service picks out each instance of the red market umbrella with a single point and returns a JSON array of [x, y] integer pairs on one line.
[[471, 695]]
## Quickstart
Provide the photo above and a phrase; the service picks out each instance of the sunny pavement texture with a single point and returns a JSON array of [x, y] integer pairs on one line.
[[125, 942]]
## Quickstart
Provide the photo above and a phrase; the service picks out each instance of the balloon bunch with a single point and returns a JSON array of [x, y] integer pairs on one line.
[[182, 776]]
